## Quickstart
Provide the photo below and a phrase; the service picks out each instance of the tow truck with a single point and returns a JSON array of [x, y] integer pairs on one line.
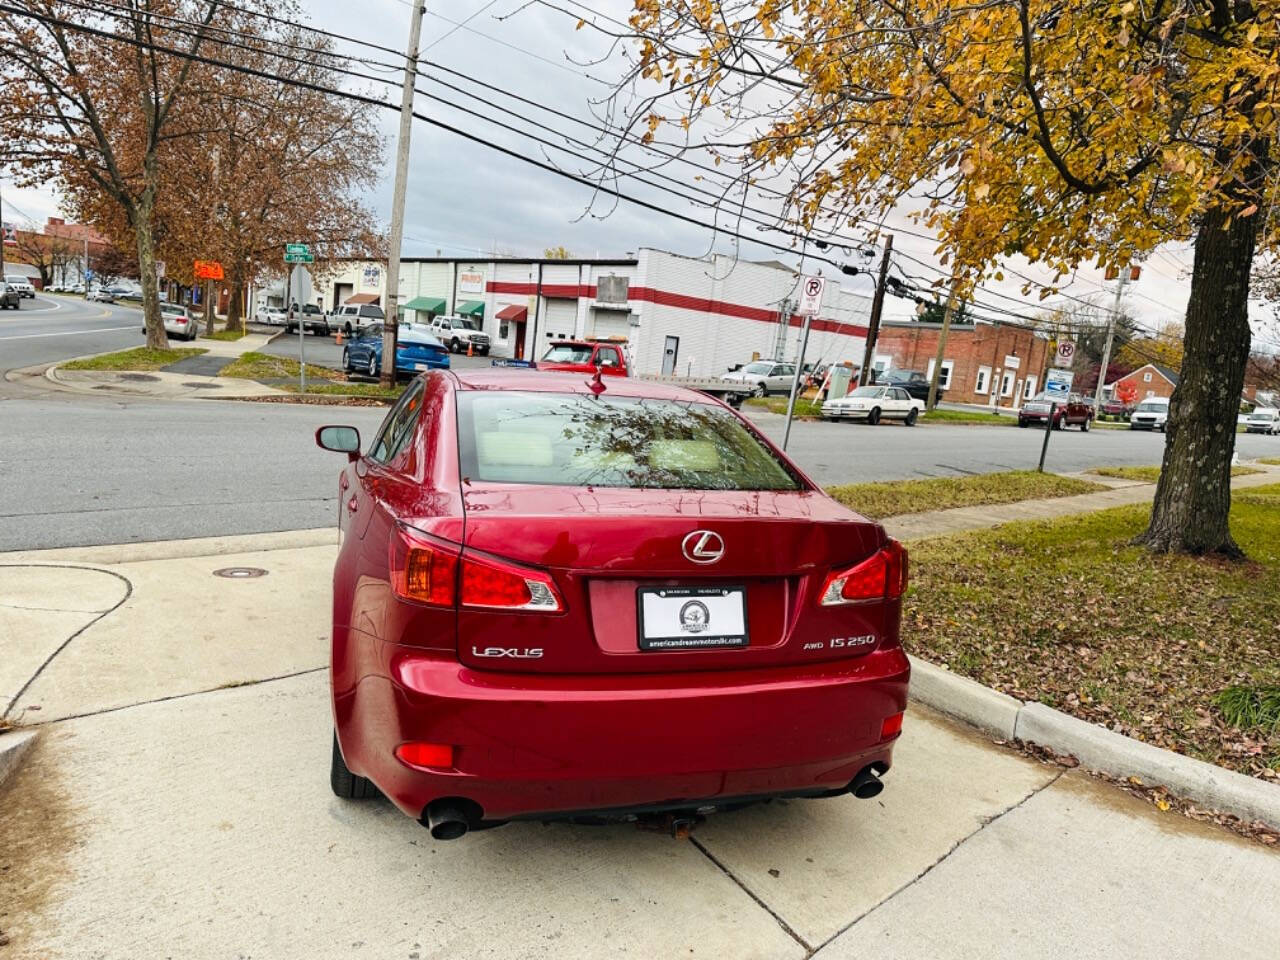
[[610, 356]]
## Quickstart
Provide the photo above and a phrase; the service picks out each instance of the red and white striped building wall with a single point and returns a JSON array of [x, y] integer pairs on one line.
[[680, 314]]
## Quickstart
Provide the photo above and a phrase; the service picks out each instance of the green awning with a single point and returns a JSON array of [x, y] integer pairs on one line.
[[471, 308], [425, 305]]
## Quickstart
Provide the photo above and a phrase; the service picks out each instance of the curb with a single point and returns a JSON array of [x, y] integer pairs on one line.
[[13, 746], [177, 549], [1097, 748]]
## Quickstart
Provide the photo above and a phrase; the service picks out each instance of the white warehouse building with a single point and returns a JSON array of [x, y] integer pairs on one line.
[[686, 315]]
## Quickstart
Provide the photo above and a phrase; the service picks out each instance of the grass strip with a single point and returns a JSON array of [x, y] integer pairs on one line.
[[879, 500], [139, 358]]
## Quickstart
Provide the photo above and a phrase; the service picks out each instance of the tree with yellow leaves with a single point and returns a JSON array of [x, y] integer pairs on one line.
[[1067, 131]]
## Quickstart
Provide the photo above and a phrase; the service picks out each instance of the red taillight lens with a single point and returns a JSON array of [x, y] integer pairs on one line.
[[882, 576], [891, 727], [494, 584], [425, 754], [425, 571]]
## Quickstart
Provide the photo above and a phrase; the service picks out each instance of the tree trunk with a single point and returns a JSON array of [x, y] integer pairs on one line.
[[157, 339], [234, 311], [1193, 496]]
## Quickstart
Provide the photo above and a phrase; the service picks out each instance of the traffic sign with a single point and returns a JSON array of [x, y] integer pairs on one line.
[[1057, 385], [299, 258], [811, 295], [159, 269], [1066, 353], [296, 248]]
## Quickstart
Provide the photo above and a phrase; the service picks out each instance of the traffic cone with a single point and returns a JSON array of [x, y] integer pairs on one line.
[[470, 347], [339, 340]]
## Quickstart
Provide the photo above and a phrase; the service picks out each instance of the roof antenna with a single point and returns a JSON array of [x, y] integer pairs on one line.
[[596, 383]]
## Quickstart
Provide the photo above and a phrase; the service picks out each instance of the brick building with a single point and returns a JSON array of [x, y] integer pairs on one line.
[[1149, 380], [990, 363]]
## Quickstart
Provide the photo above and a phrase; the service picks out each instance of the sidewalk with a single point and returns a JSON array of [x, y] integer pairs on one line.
[[177, 804]]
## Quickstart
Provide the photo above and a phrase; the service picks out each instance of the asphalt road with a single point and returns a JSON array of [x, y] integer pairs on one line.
[[85, 470]]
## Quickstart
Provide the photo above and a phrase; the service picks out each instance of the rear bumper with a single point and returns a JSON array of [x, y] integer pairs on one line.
[[526, 744]]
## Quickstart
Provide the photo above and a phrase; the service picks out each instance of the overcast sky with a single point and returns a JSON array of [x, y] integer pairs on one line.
[[465, 199]]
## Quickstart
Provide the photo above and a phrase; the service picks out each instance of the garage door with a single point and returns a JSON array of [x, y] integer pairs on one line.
[[561, 318], [610, 323]]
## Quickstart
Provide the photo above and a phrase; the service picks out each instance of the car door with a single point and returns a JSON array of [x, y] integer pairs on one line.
[[780, 378], [370, 471]]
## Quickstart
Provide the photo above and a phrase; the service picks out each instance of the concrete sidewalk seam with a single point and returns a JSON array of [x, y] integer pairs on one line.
[[128, 592], [988, 821], [786, 927], [177, 696]]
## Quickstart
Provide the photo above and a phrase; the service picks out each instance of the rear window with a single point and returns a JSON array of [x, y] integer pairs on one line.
[[368, 310], [580, 440], [567, 353]]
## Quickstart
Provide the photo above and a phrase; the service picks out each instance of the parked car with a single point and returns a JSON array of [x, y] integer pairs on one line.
[[179, 321], [271, 316], [312, 319], [415, 352], [765, 376], [100, 295], [1263, 420], [583, 356], [457, 333], [1075, 412], [9, 297], [21, 284], [1150, 414], [1116, 409], [458, 664], [355, 317], [873, 404], [912, 381]]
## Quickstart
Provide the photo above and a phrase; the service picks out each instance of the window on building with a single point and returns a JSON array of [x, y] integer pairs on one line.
[[1146, 377], [984, 378], [944, 378], [1029, 388], [504, 330], [1150, 393], [612, 289], [1006, 384]]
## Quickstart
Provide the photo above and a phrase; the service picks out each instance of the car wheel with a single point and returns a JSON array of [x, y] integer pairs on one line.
[[346, 360], [760, 391], [1085, 426], [874, 416], [455, 346], [346, 329], [1059, 424], [912, 417], [372, 369], [484, 351], [346, 784], [1023, 423]]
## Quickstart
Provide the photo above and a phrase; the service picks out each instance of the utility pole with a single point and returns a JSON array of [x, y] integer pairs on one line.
[[2, 240], [1106, 350], [942, 340], [877, 307], [391, 327]]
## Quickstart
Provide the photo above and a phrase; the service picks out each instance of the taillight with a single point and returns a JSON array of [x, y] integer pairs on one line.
[[500, 585], [417, 754], [891, 727], [882, 576], [424, 570], [439, 573]]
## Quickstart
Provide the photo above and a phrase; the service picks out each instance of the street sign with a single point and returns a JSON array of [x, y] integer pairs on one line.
[[1057, 385], [296, 248], [299, 258], [811, 296], [159, 269], [208, 270], [1066, 353]]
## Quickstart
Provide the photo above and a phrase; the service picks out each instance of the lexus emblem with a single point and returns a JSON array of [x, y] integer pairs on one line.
[[703, 546]]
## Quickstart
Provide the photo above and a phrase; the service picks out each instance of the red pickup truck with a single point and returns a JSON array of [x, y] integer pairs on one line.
[[1074, 412], [583, 356]]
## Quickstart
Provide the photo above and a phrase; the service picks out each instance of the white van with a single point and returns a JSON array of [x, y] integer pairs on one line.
[[1151, 414], [1263, 420]]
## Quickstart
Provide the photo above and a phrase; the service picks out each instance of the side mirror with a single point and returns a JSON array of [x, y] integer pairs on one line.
[[339, 440]]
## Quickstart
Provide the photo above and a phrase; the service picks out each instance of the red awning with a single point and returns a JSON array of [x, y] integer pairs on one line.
[[514, 313], [363, 298]]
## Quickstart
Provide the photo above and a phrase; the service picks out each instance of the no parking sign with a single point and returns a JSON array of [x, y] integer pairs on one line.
[[811, 296]]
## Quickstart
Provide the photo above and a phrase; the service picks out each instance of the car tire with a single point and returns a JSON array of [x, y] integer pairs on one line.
[[346, 329], [484, 351], [1060, 424], [912, 417], [1084, 427], [873, 417], [455, 346], [760, 391], [346, 360], [372, 368], [346, 784], [1023, 423]]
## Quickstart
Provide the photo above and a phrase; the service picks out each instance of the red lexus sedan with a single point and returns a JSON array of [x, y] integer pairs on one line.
[[560, 599]]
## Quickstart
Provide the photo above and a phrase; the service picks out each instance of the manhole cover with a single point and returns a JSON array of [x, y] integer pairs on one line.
[[240, 573], [200, 386], [143, 377]]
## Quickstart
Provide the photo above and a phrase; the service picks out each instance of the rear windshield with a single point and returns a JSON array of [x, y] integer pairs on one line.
[[580, 440], [567, 353], [1151, 405], [371, 311]]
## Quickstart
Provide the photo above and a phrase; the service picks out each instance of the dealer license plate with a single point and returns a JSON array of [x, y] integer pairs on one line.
[[691, 618], [421, 366]]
